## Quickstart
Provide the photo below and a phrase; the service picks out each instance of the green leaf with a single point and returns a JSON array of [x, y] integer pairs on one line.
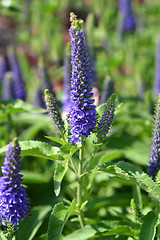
[[105, 228], [58, 218], [63, 159], [35, 177], [138, 152], [42, 237], [35, 148], [111, 155], [17, 106], [32, 223], [133, 174], [148, 229], [57, 140], [61, 169], [71, 209]]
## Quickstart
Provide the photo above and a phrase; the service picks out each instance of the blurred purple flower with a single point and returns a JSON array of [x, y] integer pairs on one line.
[[82, 113], [8, 87], [3, 67], [108, 91], [157, 72], [128, 19], [39, 98], [67, 80], [19, 86]]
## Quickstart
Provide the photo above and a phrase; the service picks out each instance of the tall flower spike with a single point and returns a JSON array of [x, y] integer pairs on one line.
[[157, 73], [154, 164], [14, 204], [54, 113], [105, 123], [82, 113]]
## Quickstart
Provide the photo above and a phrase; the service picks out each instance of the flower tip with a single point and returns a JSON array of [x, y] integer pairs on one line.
[[46, 92], [15, 142], [76, 23], [73, 17]]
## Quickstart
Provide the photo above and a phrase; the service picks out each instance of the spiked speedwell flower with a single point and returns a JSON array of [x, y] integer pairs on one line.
[[82, 113], [14, 205], [105, 123], [54, 112], [154, 164]]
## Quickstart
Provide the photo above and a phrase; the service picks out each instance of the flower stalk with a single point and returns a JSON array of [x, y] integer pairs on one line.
[[79, 186]]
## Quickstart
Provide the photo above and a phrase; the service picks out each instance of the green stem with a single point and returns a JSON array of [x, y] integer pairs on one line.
[[137, 196], [10, 234], [79, 187], [74, 167]]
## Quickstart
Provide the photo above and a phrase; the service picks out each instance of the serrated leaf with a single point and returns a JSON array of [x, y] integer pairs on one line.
[[35, 148], [105, 228], [32, 223], [133, 174], [61, 169], [148, 229], [58, 218], [63, 159], [60, 141]]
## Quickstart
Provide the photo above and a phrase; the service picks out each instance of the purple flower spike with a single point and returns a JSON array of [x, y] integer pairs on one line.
[[54, 113], [14, 204], [105, 123], [157, 73], [82, 113], [19, 85], [154, 164], [128, 23]]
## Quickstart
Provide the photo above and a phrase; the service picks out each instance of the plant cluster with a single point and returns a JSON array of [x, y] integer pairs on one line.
[[84, 173]]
